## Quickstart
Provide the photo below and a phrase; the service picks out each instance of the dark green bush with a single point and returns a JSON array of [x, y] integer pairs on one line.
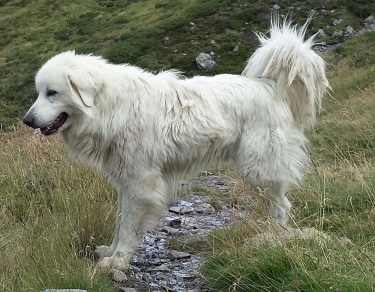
[[361, 8]]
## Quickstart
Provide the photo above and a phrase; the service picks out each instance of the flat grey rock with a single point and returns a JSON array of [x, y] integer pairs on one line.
[[118, 276], [277, 235]]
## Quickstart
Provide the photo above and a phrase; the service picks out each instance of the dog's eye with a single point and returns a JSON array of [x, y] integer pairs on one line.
[[51, 95], [51, 92]]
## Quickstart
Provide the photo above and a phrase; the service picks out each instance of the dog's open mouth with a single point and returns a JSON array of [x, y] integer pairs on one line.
[[55, 125]]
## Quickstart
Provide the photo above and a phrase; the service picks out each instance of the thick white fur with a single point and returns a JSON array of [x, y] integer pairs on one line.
[[146, 131]]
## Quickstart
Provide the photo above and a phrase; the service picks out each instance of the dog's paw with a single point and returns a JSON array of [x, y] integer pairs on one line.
[[114, 262], [102, 251]]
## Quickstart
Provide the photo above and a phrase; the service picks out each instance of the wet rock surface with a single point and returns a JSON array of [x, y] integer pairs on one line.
[[159, 265]]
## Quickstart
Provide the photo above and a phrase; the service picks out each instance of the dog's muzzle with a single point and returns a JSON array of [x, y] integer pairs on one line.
[[49, 129]]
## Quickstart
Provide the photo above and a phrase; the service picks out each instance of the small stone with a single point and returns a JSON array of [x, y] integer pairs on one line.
[[176, 255], [337, 21], [181, 210], [166, 40], [147, 278], [185, 203], [170, 230], [321, 33], [204, 61], [101, 250], [175, 209], [118, 276], [126, 289], [161, 268], [205, 208], [370, 19], [185, 275], [175, 222], [350, 30], [186, 210]]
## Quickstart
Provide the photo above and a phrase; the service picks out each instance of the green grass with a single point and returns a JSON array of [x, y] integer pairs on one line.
[[51, 217], [299, 265]]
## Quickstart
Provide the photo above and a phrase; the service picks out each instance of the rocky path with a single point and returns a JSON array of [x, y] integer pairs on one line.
[[164, 261]]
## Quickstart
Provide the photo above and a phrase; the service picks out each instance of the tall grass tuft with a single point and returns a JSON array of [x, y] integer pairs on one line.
[[54, 211], [298, 265]]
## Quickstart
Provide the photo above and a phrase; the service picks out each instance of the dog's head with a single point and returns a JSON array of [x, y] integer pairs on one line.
[[67, 86]]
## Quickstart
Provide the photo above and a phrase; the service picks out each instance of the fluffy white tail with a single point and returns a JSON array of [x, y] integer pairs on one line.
[[298, 71]]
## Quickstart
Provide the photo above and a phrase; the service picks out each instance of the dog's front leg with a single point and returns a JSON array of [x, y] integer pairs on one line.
[[126, 237], [140, 207], [104, 250]]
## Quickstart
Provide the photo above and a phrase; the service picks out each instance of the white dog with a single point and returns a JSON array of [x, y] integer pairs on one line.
[[146, 132]]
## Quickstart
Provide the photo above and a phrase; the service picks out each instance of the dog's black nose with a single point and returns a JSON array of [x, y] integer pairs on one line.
[[29, 120]]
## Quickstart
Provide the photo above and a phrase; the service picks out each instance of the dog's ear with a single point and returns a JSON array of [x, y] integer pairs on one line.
[[85, 92]]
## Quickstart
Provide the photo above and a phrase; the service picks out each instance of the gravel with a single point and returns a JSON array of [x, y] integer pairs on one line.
[[158, 267]]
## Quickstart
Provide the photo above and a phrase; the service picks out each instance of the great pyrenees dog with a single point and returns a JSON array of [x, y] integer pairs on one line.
[[146, 132]]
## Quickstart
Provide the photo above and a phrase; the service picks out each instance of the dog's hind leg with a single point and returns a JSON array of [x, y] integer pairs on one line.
[[271, 165], [141, 205], [265, 183], [273, 197]]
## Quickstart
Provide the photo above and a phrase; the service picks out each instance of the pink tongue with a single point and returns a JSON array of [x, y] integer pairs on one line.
[[44, 130]]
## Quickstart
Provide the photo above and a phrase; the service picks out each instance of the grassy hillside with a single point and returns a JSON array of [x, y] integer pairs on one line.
[[54, 211], [132, 31]]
